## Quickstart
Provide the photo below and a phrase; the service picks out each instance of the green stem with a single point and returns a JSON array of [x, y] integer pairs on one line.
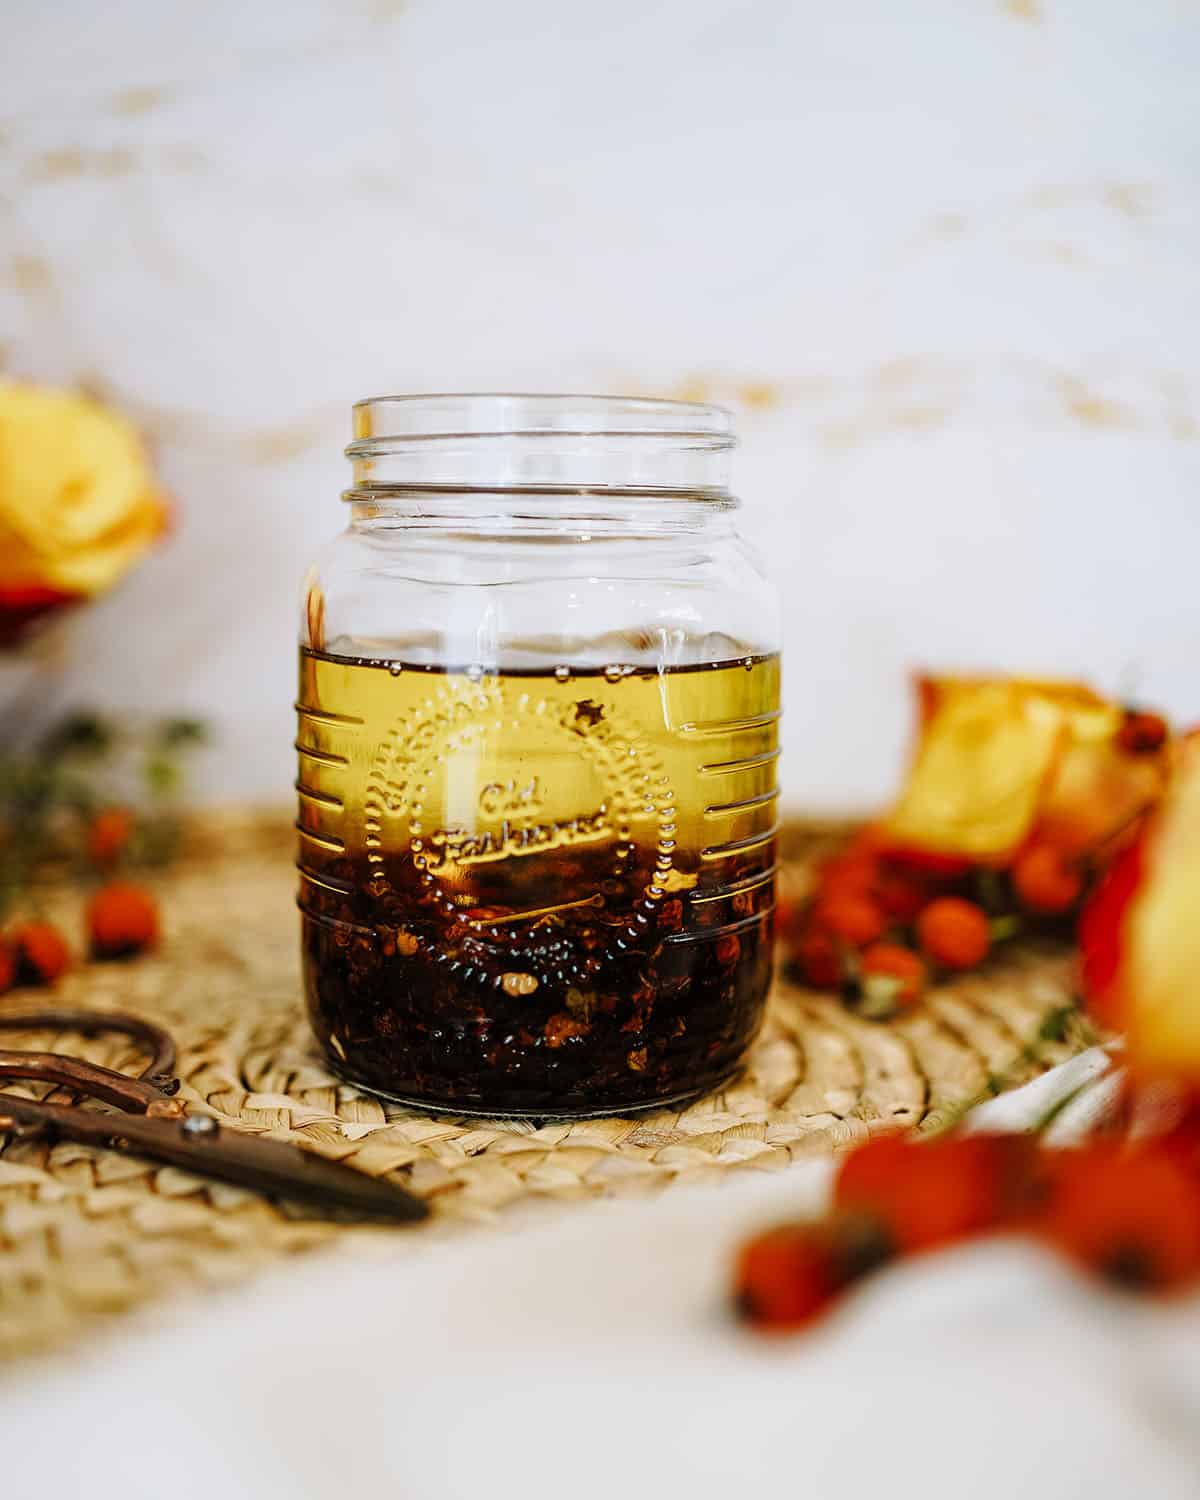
[[1053, 1029]]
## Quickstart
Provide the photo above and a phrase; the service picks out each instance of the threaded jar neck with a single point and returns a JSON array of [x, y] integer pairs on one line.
[[537, 445]]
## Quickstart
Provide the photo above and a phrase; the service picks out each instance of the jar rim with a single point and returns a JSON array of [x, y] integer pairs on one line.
[[489, 414]]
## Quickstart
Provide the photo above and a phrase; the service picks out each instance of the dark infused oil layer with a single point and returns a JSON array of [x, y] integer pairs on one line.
[[537, 892]]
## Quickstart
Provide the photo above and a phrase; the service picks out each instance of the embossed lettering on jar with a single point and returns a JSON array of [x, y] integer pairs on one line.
[[538, 724]]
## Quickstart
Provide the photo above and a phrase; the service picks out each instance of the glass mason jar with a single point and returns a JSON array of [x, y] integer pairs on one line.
[[539, 705]]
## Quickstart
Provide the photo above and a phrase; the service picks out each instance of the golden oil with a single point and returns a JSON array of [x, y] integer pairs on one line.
[[536, 891]]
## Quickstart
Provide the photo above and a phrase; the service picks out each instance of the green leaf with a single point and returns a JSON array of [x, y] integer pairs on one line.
[[990, 888], [1054, 1024], [178, 734], [162, 775], [78, 734]]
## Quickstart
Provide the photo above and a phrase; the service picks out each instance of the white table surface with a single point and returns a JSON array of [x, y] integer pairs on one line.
[[589, 1355]]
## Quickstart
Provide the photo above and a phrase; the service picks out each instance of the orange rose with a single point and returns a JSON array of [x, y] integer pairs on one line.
[[79, 504]]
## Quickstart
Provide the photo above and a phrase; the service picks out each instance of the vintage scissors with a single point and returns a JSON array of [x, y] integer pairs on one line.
[[154, 1123]]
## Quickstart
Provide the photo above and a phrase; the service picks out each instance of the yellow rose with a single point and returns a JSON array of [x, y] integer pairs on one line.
[[79, 503], [999, 758]]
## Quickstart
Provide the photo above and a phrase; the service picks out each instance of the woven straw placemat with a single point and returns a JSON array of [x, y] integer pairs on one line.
[[85, 1234]]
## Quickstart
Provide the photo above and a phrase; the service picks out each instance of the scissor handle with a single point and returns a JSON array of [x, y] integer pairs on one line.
[[159, 1072], [158, 1126], [82, 1077]]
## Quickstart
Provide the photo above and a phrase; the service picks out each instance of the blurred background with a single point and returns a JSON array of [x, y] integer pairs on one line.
[[940, 255]]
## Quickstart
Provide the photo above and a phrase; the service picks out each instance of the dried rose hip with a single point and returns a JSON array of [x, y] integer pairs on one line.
[[932, 1193], [1142, 733], [853, 920], [109, 835], [122, 919], [954, 933], [891, 976], [1131, 1216], [787, 1277], [819, 961], [1046, 880], [41, 951]]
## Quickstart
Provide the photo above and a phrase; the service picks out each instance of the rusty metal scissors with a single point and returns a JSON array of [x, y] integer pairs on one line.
[[155, 1123]]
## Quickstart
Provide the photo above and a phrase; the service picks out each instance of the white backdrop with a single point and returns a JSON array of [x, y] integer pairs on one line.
[[942, 253]]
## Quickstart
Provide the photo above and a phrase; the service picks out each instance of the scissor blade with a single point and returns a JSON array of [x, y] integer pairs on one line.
[[199, 1144]]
